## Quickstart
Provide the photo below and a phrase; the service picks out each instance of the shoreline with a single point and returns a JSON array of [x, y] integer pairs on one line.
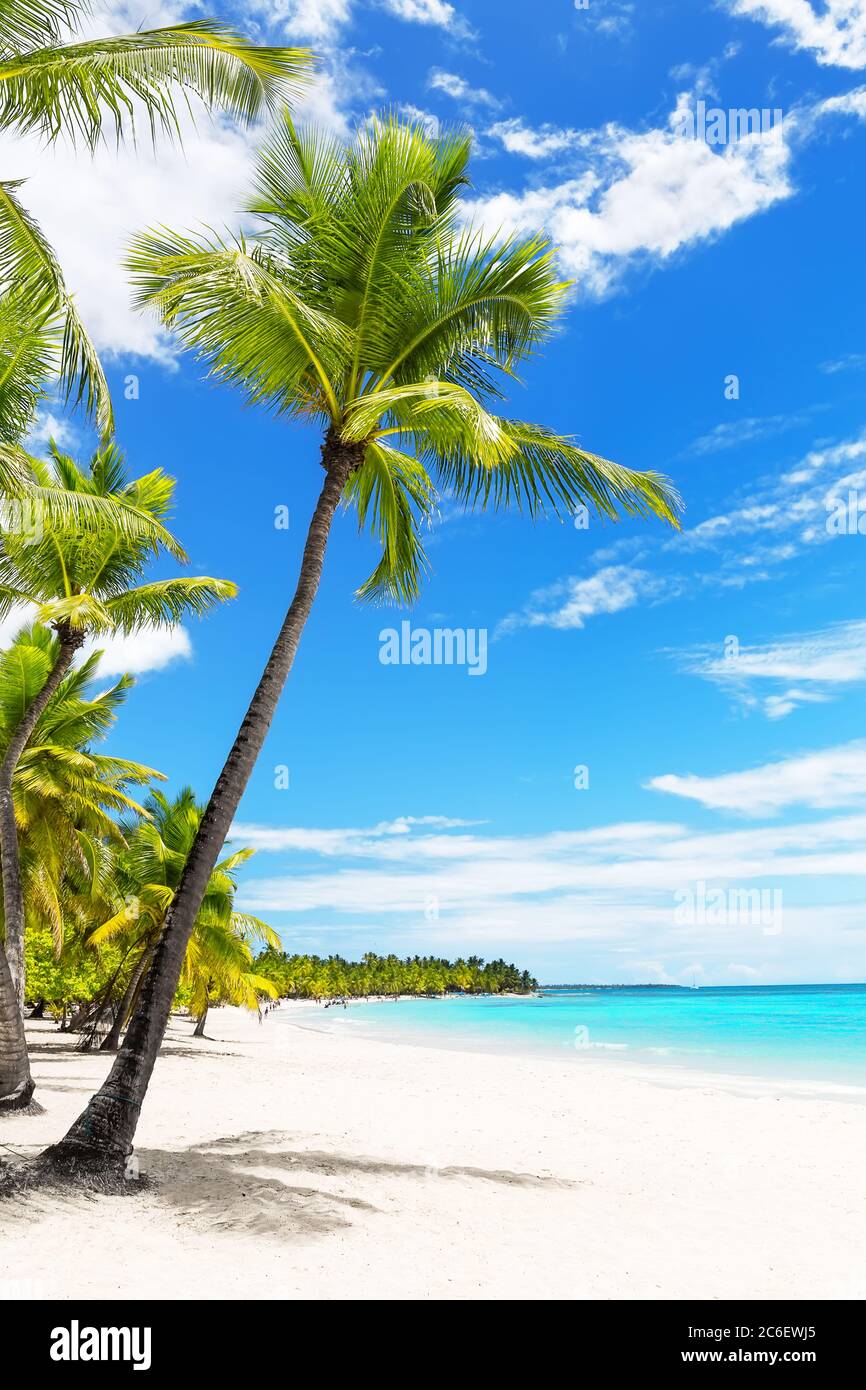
[[293, 1162], [620, 1062]]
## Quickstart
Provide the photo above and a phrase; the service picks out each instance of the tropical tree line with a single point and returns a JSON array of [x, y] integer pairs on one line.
[[359, 303], [315, 977]]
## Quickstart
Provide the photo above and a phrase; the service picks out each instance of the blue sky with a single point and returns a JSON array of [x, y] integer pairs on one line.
[[711, 683]]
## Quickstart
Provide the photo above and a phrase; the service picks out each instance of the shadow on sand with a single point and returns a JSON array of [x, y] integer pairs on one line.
[[260, 1183]]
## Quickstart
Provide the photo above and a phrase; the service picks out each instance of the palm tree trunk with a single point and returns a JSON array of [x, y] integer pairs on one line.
[[111, 1041], [102, 1136], [16, 1083], [13, 899], [199, 1027]]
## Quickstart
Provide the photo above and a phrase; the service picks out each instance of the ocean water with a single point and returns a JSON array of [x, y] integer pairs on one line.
[[784, 1032]]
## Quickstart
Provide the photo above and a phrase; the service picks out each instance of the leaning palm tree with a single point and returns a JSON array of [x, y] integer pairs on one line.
[[218, 966], [65, 799], [83, 582], [54, 87], [363, 306]]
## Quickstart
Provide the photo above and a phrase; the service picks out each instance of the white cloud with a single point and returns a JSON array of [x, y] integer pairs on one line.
[[835, 35], [12, 623], [645, 195], [90, 207], [794, 506], [434, 12], [425, 119], [150, 650], [851, 362], [535, 143], [607, 897], [47, 427], [735, 434], [612, 19], [341, 841], [830, 779], [806, 668], [310, 21], [456, 87], [320, 21], [746, 544], [570, 602]]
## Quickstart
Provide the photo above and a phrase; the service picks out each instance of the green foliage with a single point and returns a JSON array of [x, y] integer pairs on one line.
[[73, 89], [85, 576], [66, 795], [75, 975], [218, 966], [76, 90], [312, 977], [360, 304]]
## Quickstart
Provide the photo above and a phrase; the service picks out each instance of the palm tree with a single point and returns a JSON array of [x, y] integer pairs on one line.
[[362, 306], [83, 584], [218, 966], [80, 90], [65, 798]]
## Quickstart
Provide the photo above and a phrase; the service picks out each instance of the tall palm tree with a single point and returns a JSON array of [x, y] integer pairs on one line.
[[83, 583], [360, 305], [65, 798], [55, 87], [218, 966]]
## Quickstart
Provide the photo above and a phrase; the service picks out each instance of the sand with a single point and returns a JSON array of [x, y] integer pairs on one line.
[[289, 1163]]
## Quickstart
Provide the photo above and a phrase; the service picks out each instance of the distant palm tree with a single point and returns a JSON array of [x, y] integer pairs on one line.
[[65, 799], [361, 305], [219, 962], [53, 87], [82, 583]]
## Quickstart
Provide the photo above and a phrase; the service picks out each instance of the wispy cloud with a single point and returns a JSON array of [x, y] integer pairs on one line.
[[611, 891], [346, 841], [831, 779], [804, 668], [751, 542], [852, 362], [457, 87], [570, 602], [737, 434], [613, 19]]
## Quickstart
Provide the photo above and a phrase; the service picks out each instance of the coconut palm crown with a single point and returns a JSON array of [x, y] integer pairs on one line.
[[365, 304]]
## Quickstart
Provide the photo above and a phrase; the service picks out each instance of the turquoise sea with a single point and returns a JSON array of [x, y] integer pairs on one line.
[[794, 1032]]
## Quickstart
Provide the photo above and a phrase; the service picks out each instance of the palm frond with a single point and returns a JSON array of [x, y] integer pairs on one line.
[[28, 359], [165, 601], [30, 268], [76, 88], [545, 472], [392, 494], [36, 23], [230, 306]]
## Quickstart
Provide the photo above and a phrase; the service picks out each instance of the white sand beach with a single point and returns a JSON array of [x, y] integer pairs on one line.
[[288, 1163]]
